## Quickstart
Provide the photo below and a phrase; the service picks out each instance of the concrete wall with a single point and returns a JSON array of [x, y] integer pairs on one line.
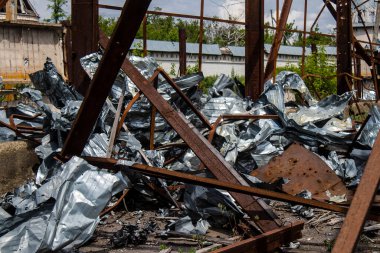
[[24, 48], [215, 65]]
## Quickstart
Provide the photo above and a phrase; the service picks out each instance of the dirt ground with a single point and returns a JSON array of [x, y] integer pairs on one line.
[[17, 160], [318, 235]]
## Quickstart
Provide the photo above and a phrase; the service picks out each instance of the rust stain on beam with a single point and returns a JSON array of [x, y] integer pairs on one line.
[[361, 203]]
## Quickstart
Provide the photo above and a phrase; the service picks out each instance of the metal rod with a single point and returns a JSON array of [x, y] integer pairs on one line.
[[182, 51], [201, 31], [304, 39]]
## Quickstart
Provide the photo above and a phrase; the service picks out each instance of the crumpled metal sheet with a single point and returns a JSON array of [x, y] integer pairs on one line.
[[81, 192], [371, 129], [224, 82], [51, 83], [327, 108], [96, 146], [185, 225], [212, 205]]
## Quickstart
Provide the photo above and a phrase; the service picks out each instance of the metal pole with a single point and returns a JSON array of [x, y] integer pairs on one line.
[[145, 46], [254, 48], [343, 41], [304, 39], [200, 54], [85, 38], [182, 51]]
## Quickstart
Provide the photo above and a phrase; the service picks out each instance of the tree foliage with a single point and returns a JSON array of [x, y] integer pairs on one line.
[[321, 72], [57, 11]]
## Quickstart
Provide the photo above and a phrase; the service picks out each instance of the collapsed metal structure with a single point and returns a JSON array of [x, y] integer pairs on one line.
[[85, 37]]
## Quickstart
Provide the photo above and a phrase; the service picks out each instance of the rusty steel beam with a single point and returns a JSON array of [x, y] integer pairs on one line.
[[182, 51], [85, 37], [116, 165], [213, 160], [281, 24], [105, 75], [267, 242], [361, 203], [254, 48], [344, 44]]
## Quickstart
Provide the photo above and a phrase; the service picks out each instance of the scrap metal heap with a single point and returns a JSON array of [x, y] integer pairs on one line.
[[216, 156]]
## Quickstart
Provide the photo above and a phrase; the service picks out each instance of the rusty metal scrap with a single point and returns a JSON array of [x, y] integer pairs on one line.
[[201, 147], [302, 170], [267, 242]]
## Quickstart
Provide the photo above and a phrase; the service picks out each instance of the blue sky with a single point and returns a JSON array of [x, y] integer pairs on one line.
[[219, 8]]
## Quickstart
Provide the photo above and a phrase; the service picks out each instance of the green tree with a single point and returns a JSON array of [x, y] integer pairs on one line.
[[57, 11], [107, 25]]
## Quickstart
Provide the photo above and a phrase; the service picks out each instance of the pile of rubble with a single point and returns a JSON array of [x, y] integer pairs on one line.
[[286, 142]]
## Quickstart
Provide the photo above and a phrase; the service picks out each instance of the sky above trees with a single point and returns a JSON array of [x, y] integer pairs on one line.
[[221, 8]]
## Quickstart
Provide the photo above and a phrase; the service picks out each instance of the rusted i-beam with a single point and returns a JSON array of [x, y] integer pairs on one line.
[[213, 160], [105, 75], [344, 43], [254, 48], [361, 203], [267, 242], [281, 24]]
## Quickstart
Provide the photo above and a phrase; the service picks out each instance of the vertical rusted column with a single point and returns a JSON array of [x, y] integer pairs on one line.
[[145, 37], [280, 25], [201, 31], [304, 39], [254, 48], [343, 41], [182, 51], [85, 37]]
